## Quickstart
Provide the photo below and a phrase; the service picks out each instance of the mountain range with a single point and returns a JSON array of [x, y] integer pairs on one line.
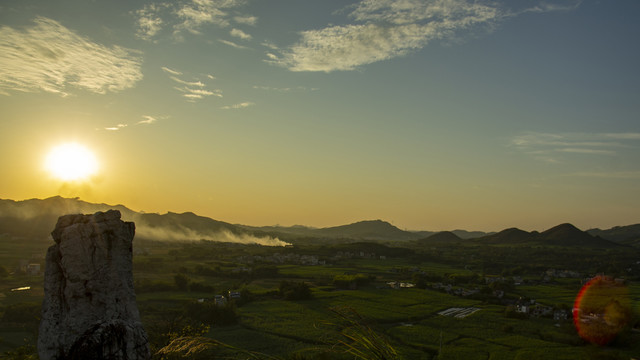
[[37, 217]]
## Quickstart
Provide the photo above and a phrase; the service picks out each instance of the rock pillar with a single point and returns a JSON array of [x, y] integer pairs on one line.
[[89, 309]]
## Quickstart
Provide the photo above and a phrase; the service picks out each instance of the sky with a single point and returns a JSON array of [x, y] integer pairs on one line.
[[432, 115]]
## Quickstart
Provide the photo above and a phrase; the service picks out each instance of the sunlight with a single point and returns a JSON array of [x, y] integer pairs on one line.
[[71, 162]]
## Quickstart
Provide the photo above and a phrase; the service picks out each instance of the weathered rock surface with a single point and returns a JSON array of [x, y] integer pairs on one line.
[[89, 309]]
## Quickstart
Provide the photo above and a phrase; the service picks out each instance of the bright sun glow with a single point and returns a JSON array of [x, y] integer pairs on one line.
[[71, 162]]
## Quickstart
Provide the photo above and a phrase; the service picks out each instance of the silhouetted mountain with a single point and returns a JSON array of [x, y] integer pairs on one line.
[[376, 230], [370, 229], [569, 235], [464, 234], [441, 237], [507, 236], [561, 235], [35, 218], [629, 234]]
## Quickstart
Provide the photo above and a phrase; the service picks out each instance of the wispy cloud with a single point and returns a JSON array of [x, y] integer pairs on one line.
[[385, 29], [240, 34], [188, 83], [148, 119], [231, 43], [194, 89], [171, 71], [284, 89], [549, 6], [238, 106], [623, 136], [149, 21], [548, 147], [608, 175], [246, 20], [190, 16], [116, 128], [49, 57]]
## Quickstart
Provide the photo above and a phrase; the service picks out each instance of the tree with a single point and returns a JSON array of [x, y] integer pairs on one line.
[[182, 281], [290, 290]]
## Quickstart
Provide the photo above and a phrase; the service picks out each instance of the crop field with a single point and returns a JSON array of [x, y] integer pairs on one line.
[[266, 323]]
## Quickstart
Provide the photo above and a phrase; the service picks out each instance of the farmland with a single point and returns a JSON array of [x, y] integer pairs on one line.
[[288, 309]]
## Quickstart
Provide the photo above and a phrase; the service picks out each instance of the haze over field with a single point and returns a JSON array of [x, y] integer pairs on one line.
[[442, 114]]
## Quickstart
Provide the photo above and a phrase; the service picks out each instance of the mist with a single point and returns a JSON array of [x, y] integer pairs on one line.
[[187, 234], [41, 215]]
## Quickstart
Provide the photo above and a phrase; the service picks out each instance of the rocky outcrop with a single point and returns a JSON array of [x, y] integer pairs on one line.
[[89, 309]]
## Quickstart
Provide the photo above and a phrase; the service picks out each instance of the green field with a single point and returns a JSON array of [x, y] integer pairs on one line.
[[266, 324]]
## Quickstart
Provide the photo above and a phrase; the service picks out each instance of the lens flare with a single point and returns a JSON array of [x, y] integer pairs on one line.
[[602, 309]]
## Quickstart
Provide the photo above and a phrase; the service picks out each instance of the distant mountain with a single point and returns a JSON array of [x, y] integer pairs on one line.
[[372, 230], [510, 235], [447, 237], [464, 234], [629, 234], [36, 218], [561, 235]]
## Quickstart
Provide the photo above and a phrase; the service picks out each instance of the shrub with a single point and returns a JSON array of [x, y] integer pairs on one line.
[[211, 314], [290, 290], [22, 313]]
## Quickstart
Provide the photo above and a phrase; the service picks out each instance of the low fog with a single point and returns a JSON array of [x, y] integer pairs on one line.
[[36, 217]]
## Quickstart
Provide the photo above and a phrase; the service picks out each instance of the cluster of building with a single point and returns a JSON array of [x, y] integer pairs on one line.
[[30, 267], [221, 300], [340, 255], [531, 308], [278, 258], [293, 258]]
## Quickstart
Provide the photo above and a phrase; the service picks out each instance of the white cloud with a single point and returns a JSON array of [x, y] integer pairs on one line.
[[200, 12], [192, 90], [587, 151], [148, 119], [190, 16], [549, 7], [149, 21], [171, 71], [193, 94], [116, 128], [286, 89], [623, 136], [246, 20], [609, 175], [388, 29], [240, 34], [49, 57], [188, 83], [550, 147], [231, 43], [238, 106], [385, 29]]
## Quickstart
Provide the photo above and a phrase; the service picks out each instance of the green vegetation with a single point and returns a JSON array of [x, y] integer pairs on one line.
[[204, 299]]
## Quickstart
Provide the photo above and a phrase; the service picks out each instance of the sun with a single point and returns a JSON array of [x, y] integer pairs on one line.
[[71, 162]]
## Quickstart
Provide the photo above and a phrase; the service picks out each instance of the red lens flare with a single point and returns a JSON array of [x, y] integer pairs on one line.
[[602, 309]]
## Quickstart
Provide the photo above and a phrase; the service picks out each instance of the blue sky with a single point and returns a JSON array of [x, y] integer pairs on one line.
[[430, 114]]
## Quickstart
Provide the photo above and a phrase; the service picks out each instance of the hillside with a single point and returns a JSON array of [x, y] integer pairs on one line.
[[565, 235], [35, 218], [629, 234], [445, 237]]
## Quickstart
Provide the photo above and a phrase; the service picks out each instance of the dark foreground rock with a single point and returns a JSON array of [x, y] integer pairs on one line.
[[89, 309]]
